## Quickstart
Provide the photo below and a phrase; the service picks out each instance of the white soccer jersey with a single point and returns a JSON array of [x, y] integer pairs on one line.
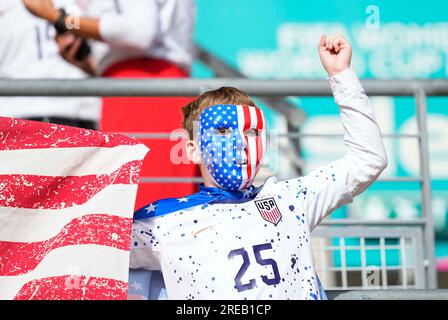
[[260, 248], [143, 28], [28, 51]]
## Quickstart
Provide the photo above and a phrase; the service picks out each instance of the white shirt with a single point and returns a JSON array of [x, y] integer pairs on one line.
[[143, 28], [229, 251], [28, 51]]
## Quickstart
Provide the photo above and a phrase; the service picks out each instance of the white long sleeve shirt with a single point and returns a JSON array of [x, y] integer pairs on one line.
[[231, 251], [28, 51], [143, 28]]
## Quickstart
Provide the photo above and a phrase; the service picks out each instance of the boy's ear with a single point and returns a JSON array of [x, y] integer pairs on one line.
[[193, 152]]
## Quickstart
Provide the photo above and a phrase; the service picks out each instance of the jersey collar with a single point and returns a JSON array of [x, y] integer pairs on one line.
[[205, 195]]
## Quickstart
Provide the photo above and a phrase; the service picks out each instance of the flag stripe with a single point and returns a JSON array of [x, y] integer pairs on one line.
[[252, 140], [66, 202], [43, 192], [23, 134], [73, 288], [87, 260], [68, 161], [100, 229], [247, 122], [259, 138], [19, 224], [252, 144], [241, 125]]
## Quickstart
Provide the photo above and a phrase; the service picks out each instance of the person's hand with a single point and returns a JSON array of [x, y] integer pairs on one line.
[[335, 53], [69, 45], [43, 9]]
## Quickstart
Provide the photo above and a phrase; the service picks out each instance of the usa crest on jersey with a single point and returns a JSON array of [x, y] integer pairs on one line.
[[269, 210]]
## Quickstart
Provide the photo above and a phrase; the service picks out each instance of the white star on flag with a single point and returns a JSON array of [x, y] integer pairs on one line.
[[182, 200], [151, 208]]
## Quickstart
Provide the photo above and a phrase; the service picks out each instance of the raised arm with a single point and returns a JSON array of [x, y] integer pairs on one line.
[[327, 188], [365, 154]]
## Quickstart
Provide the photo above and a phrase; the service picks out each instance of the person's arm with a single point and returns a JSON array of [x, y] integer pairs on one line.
[[365, 155], [327, 188], [135, 27]]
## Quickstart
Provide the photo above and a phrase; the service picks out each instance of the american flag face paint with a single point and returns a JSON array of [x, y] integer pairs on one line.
[[232, 141]]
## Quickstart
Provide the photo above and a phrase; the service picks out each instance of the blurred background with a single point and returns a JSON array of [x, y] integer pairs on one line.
[[277, 39]]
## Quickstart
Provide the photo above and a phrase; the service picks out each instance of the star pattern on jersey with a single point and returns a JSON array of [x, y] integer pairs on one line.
[[222, 154]]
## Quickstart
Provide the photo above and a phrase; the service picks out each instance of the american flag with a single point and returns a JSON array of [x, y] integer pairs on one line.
[[235, 158], [66, 202]]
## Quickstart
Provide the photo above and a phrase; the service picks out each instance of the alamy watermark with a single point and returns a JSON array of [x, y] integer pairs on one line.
[[373, 18], [73, 22], [373, 277]]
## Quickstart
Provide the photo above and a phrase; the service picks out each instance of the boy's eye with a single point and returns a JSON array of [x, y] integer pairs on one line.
[[223, 131], [252, 132]]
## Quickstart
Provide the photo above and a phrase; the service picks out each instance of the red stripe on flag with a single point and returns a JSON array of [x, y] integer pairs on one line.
[[247, 122], [43, 192], [24, 134], [258, 138], [73, 288], [21, 257]]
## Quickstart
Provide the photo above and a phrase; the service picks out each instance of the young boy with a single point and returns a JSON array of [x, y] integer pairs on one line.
[[234, 241]]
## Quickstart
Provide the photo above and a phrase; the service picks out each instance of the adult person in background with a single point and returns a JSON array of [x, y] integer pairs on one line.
[[135, 39], [28, 51]]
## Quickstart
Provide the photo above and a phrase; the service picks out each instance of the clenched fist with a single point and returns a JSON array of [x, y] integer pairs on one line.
[[335, 53]]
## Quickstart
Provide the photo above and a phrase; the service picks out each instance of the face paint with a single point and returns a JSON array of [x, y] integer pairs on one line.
[[232, 140]]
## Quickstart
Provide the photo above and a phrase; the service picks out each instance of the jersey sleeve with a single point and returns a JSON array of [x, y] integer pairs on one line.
[[145, 251], [133, 26], [327, 188]]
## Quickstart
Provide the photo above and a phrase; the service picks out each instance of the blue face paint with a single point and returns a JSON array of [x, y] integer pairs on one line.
[[232, 140]]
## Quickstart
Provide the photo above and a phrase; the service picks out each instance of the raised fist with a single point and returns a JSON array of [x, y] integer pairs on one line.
[[335, 53]]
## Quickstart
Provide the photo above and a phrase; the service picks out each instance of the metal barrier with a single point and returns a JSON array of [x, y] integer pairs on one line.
[[363, 243], [264, 88]]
